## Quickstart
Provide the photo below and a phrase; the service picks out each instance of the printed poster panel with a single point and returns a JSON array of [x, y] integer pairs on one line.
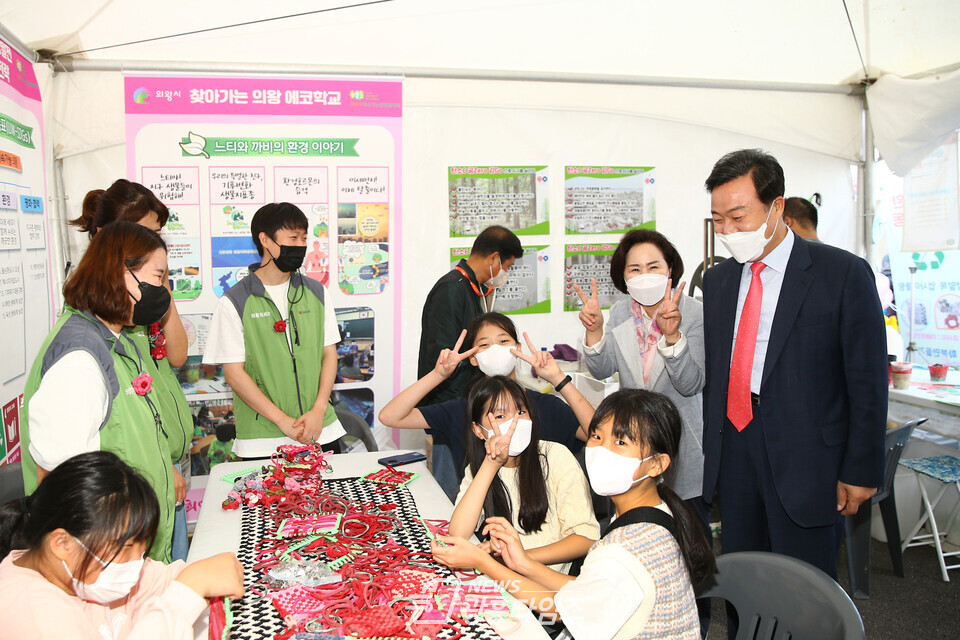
[[582, 263], [604, 199], [363, 226], [935, 310], [218, 148], [179, 189], [355, 351], [931, 205], [527, 289], [513, 197], [26, 287]]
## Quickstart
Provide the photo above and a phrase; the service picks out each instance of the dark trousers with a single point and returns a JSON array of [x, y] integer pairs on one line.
[[752, 515]]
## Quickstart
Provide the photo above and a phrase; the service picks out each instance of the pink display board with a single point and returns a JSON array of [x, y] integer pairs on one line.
[[26, 275], [216, 149]]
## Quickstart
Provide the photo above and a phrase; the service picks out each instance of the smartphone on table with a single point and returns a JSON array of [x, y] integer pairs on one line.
[[401, 459]]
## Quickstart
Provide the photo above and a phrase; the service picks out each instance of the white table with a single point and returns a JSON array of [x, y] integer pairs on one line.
[[219, 530], [938, 403]]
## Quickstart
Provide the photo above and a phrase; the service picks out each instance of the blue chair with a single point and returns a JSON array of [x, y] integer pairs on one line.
[[778, 597]]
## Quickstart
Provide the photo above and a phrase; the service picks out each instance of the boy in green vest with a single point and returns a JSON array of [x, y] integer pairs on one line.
[[276, 337]]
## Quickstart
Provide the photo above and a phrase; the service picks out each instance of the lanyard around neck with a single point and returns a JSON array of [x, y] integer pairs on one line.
[[476, 289]]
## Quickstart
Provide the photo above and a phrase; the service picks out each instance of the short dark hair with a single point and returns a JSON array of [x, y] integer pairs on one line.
[[638, 236], [763, 169], [497, 239], [801, 210], [226, 431], [98, 284], [274, 216], [94, 496], [124, 200]]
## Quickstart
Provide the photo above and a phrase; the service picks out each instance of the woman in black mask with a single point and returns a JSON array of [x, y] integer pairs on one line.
[[164, 341], [91, 387]]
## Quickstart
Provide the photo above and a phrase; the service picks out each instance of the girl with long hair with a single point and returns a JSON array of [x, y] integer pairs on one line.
[[535, 485], [492, 348], [637, 581]]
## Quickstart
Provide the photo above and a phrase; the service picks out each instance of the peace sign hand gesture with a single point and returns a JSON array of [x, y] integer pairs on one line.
[[448, 360], [668, 315], [590, 315], [543, 361], [498, 445]]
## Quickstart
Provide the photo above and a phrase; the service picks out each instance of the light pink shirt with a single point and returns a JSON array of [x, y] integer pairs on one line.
[[158, 607]]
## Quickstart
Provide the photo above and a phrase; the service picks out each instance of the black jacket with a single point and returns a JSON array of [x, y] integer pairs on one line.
[[449, 308]]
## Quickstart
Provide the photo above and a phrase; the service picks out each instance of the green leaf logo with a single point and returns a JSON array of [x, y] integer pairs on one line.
[[195, 145]]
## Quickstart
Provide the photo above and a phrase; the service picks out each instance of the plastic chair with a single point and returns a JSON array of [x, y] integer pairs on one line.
[[11, 482], [778, 597], [857, 526], [356, 426]]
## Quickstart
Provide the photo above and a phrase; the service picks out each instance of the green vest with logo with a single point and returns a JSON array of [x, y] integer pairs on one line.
[[288, 373], [174, 410], [131, 429]]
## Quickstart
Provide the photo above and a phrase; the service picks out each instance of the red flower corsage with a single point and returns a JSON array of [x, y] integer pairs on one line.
[[158, 353], [142, 384], [279, 326]]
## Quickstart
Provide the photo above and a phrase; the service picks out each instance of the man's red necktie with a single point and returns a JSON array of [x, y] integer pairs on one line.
[[739, 409]]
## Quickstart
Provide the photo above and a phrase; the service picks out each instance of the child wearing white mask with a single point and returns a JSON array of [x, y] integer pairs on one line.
[[493, 350], [537, 486], [637, 581], [74, 562]]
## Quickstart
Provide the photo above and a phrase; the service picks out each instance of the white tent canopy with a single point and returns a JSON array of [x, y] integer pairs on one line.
[[673, 85]]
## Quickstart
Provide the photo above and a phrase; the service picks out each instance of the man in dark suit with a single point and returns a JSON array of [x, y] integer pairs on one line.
[[795, 399]]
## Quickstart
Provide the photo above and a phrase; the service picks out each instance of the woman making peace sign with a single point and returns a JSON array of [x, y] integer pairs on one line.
[[655, 341]]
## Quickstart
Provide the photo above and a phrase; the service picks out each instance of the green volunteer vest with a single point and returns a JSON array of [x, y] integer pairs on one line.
[[130, 429], [290, 377], [174, 410]]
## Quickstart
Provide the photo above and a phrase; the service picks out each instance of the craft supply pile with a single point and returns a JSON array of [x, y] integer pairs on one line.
[[348, 557]]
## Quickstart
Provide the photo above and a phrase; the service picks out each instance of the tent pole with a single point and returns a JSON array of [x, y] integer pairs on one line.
[[866, 188], [18, 44], [61, 246], [68, 64]]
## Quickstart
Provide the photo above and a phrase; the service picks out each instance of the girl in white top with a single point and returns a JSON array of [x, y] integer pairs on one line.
[[73, 564], [511, 474], [637, 581]]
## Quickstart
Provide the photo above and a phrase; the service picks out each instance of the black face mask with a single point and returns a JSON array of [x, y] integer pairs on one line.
[[153, 303], [290, 259]]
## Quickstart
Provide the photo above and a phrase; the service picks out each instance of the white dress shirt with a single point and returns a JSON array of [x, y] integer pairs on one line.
[[772, 280]]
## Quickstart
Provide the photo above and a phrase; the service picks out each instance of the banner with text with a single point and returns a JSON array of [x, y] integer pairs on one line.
[[514, 197], [216, 149], [26, 284], [606, 199]]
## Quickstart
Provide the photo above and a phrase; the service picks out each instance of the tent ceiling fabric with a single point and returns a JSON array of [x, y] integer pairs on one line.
[[911, 118], [754, 40]]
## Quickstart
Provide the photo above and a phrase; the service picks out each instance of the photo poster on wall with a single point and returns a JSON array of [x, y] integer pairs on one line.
[[216, 149], [931, 207], [26, 282], [527, 289], [583, 263], [935, 309], [511, 196], [606, 199]]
